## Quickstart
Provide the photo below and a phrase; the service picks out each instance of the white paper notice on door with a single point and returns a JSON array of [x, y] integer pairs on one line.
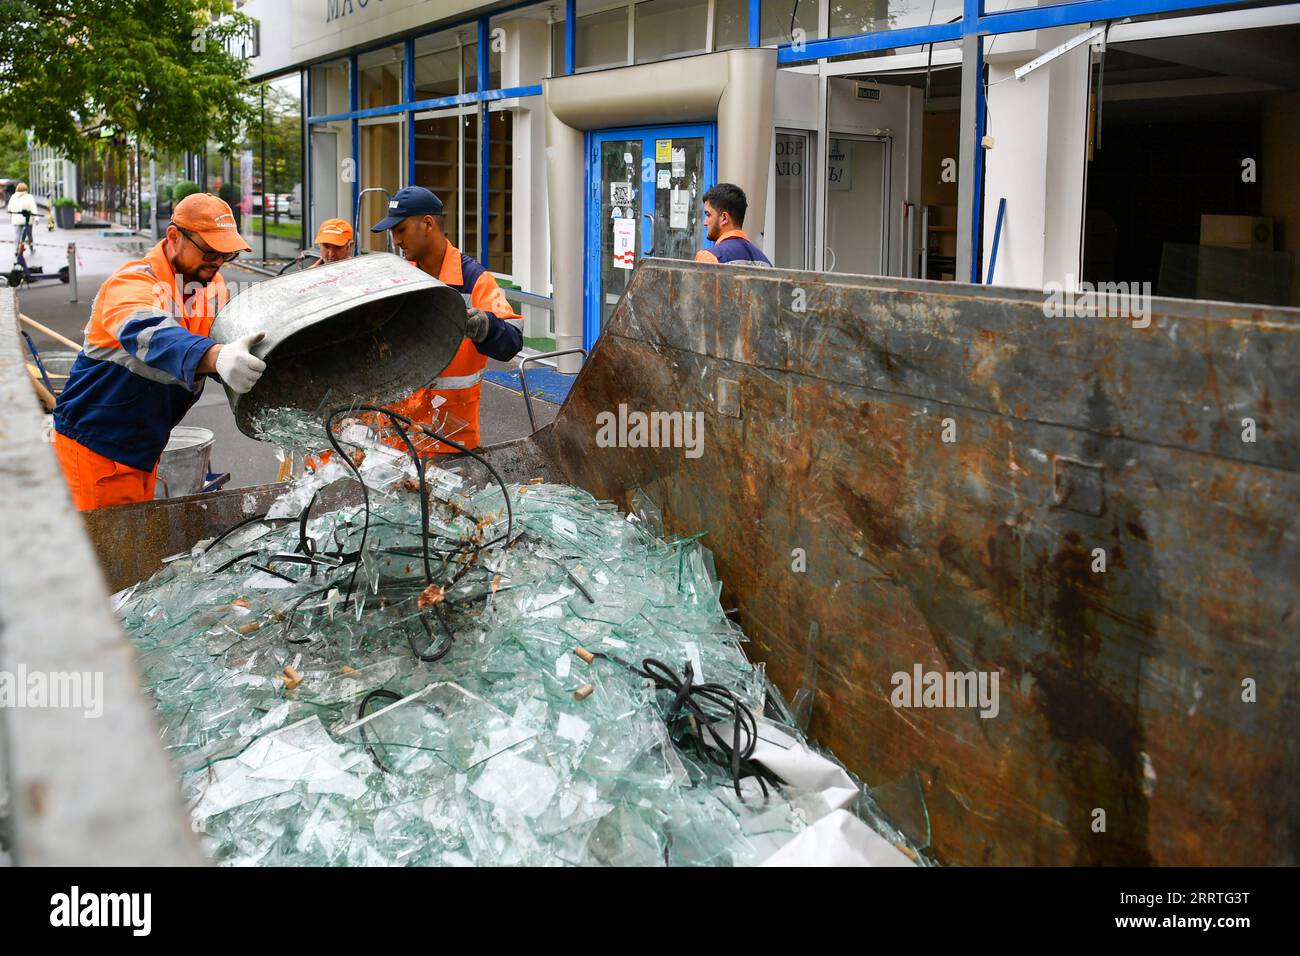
[[665, 180], [620, 194], [624, 243], [679, 162], [679, 210]]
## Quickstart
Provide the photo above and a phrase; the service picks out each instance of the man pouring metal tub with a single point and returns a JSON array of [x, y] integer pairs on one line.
[[145, 352], [495, 330]]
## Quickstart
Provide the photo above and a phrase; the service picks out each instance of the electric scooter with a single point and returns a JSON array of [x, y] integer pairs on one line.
[[21, 272]]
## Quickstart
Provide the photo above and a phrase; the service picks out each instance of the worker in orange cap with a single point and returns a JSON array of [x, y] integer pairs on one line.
[[334, 237], [145, 352]]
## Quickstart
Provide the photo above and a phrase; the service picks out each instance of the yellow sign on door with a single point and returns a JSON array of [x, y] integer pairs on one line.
[[663, 151]]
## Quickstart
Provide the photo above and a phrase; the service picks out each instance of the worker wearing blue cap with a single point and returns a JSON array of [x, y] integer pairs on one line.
[[495, 330]]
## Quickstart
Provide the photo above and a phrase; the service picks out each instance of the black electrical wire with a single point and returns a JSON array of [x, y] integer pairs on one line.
[[400, 424], [306, 545], [443, 648], [235, 560], [695, 709], [235, 527], [361, 712]]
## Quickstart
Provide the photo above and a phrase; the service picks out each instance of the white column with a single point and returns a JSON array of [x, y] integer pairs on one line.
[[1039, 130]]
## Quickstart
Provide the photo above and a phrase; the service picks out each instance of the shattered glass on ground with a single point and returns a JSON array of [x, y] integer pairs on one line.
[[328, 701]]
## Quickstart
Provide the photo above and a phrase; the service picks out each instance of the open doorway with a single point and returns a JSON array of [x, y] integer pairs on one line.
[[1193, 183]]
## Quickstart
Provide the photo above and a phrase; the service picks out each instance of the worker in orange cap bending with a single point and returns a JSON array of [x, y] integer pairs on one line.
[[145, 353]]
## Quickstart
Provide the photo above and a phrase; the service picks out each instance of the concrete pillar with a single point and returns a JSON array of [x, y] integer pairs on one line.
[[1039, 128]]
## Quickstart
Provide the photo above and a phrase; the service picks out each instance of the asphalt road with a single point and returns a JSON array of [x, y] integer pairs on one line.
[[502, 415]]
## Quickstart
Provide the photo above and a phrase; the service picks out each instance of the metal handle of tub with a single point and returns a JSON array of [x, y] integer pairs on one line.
[[523, 381]]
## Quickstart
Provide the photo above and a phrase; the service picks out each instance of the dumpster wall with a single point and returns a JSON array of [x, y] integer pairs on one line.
[[1127, 690], [84, 789]]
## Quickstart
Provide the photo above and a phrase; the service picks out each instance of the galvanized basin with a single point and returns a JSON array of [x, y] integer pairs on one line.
[[369, 329], [185, 462]]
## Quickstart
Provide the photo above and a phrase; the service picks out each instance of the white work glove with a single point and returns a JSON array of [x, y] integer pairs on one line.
[[237, 366], [478, 324]]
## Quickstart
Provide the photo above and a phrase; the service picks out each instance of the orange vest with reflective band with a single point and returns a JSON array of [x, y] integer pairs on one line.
[[137, 374], [460, 384]]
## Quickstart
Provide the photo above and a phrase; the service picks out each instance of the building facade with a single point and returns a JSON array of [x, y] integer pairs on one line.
[[1117, 141]]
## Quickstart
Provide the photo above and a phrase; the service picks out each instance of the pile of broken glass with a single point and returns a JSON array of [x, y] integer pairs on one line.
[[331, 700]]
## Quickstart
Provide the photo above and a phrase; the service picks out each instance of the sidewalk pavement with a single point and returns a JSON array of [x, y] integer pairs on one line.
[[250, 462]]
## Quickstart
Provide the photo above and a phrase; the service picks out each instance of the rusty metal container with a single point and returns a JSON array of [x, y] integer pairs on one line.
[[372, 326], [912, 474]]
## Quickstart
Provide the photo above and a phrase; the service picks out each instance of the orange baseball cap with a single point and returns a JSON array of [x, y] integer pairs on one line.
[[210, 218], [334, 231]]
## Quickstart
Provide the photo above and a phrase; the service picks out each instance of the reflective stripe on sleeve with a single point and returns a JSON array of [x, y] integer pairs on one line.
[[452, 382]]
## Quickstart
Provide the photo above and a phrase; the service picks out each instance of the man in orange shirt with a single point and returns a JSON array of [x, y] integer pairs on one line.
[[335, 240], [145, 350], [495, 330], [725, 206]]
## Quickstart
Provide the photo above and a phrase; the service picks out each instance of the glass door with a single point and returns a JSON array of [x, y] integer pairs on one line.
[[857, 208], [645, 189]]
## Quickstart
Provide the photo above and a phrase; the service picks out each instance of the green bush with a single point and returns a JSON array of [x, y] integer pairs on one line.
[[164, 194], [65, 201], [231, 193], [184, 188]]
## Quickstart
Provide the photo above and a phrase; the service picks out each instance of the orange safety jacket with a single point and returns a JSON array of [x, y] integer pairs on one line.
[[136, 375], [454, 394]]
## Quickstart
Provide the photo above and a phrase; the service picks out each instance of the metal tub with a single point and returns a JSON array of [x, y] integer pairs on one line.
[[372, 327]]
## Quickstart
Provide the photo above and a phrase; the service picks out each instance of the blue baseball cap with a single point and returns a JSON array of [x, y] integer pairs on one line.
[[411, 201]]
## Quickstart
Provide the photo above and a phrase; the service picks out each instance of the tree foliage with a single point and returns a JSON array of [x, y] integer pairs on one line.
[[161, 70], [13, 152]]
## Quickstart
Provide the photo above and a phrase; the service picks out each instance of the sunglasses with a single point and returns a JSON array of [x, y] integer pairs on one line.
[[209, 255]]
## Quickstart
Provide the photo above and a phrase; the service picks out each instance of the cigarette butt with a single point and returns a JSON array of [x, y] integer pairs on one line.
[[584, 655], [496, 583], [291, 678], [535, 481], [239, 602], [250, 627], [583, 692], [906, 850], [350, 671]]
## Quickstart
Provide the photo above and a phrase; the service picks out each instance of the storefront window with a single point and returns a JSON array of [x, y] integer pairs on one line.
[[501, 191], [558, 33], [730, 24], [793, 199], [469, 57], [379, 78], [666, 28], [381, 166], [602, 40], [786, 21], [437, 67], [849, 17], [329, 88], [446, 162], [281, 169]]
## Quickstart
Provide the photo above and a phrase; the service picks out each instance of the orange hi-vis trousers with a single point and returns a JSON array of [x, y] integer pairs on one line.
[[96, 481]]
